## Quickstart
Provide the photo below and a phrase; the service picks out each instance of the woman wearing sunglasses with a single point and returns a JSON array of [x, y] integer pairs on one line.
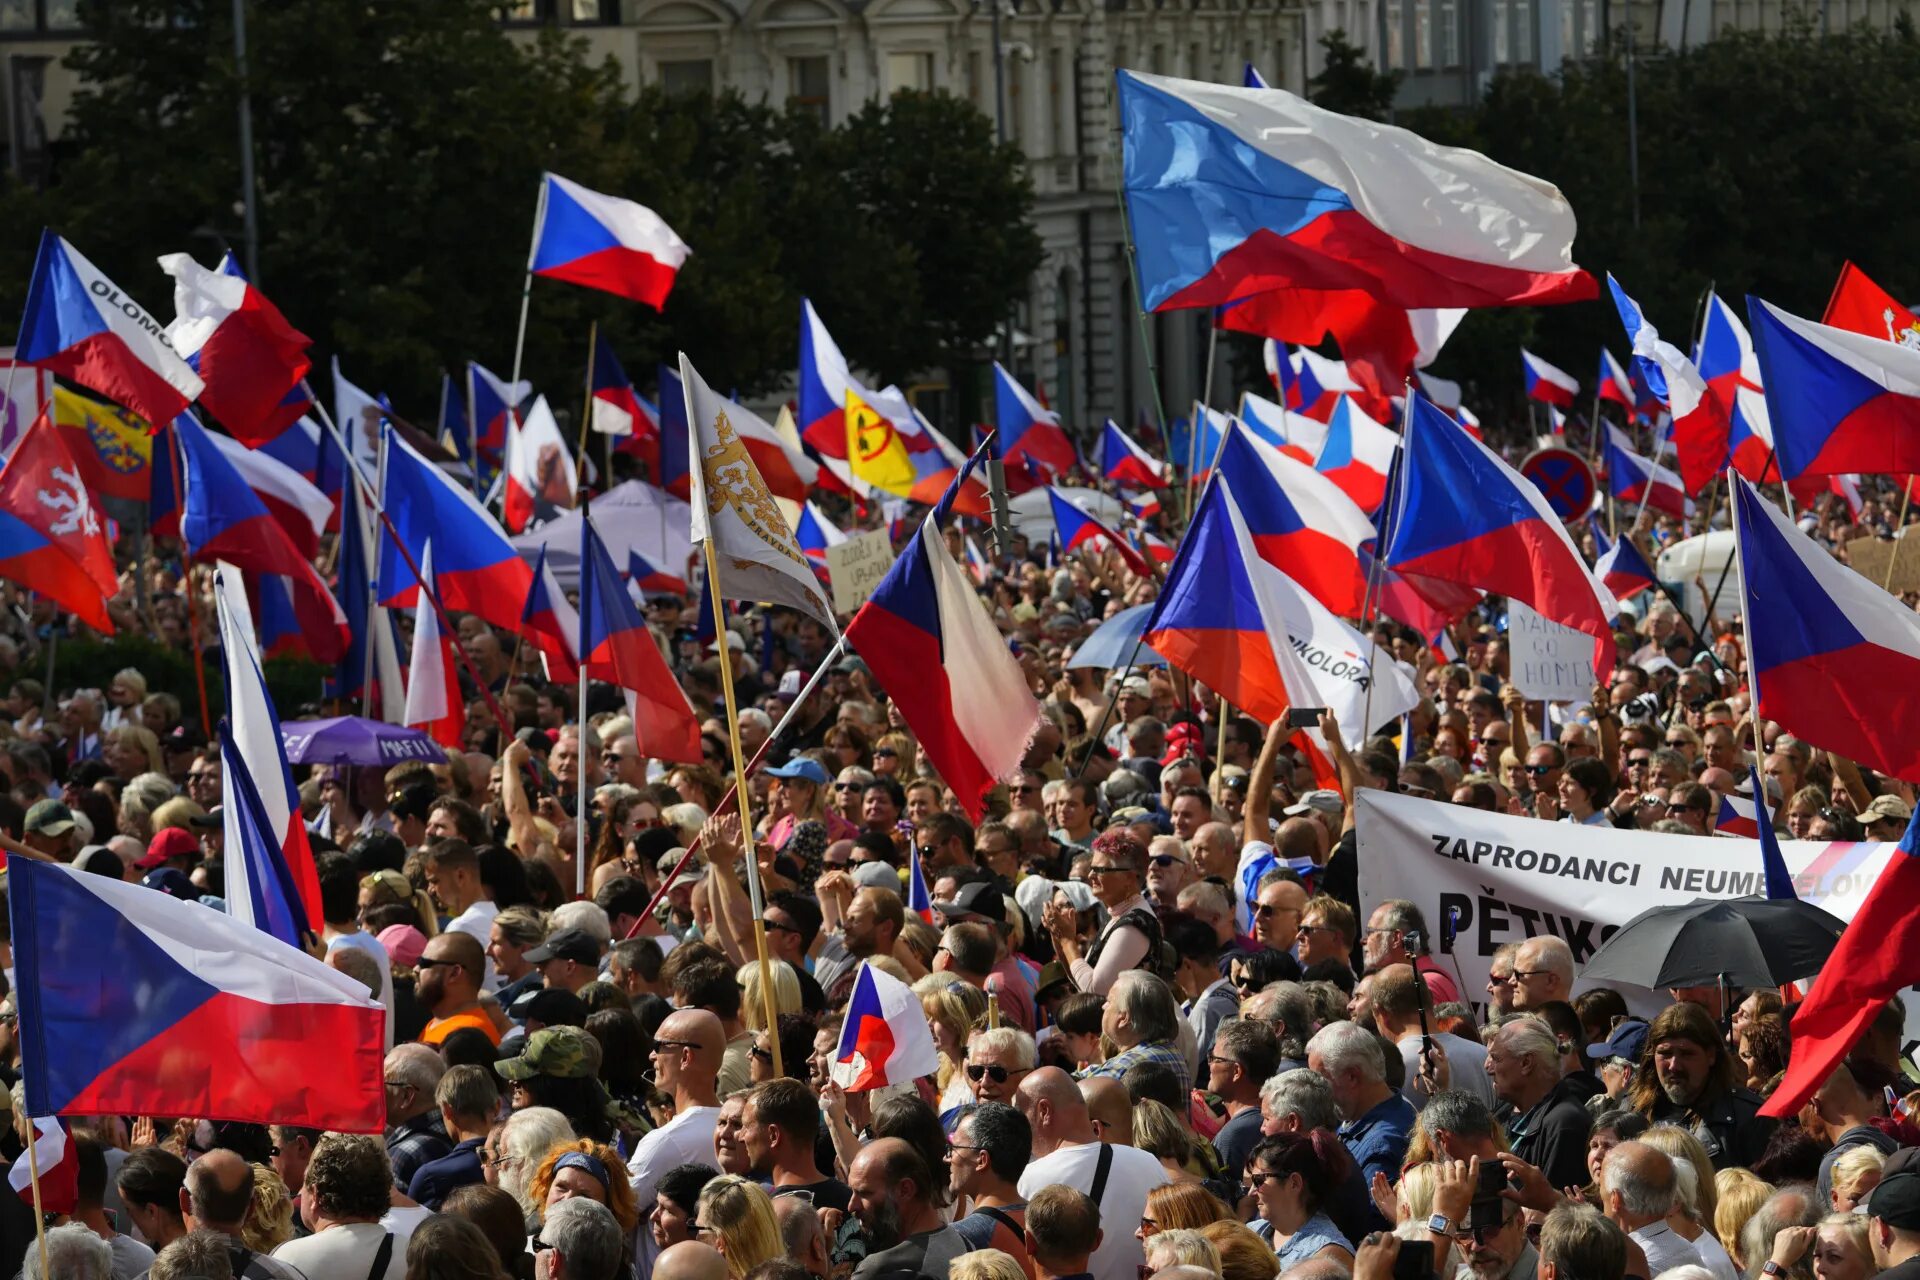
[[1290, 1176]]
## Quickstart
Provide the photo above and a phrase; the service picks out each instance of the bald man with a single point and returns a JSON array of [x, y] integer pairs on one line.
[[892, 1195], [686, 1064], [452, 967], [217, 1197], [690, 1260], [1109, 1108], [799, 1224], [1542, 972], [1067, 1151]]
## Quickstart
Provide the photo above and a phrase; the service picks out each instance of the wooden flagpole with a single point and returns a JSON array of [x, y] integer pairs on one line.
[[178, 460], [586, 404], [1906, 501], [33, 1170]]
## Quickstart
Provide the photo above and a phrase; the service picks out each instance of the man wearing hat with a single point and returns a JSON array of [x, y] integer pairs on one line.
[[1324, 807], [982, 902], [1893, 1226], [169, 848], [49, 830], [1886, 818], [568, 960]]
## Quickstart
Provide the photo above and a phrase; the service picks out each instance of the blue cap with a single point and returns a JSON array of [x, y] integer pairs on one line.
[[1628, 1040], [172, 881], [802, 767]]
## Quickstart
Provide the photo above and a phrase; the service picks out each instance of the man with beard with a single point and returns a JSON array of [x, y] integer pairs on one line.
[[1692, 1084], [448, 987], [892, 1195], [1397, 934], [779, 1129], [871, 926]]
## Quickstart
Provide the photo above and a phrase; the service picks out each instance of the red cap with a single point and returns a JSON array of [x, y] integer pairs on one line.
[[168, 844]]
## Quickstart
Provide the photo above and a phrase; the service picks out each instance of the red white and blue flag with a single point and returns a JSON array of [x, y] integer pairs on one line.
[[604, 242], [1841, 402], [53, 540], [552, 622], [491, 401], [1125, 462], [214, 992], [540, 477], [814, 534], [252, 361], [1357, 455], [1845, 675], [930, 645], [434, 704], [1027, 428], [1463, 515], [58, 1163], [1299, 520], [476, 569], [621, 411], [299, 507], [1548, 382], [1293, 434], [1738, 816], [919, 900], [1700, 426], [1636, 479], [651, 579], [1234, 192], [1620, 566], [1078, 528], [1614, 384], [616, 646], [1725, 357], [80, 325], [886, 1038]]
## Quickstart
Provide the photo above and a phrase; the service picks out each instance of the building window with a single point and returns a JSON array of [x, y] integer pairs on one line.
[[1422, 34], [909, 71], [1523, 32], [40, 16], [1060, 101], [1589, 27], [1502, 42], [1016, 82], [977, 89], [807, 86], [1446, 51], [687, 75], [1396, 43]]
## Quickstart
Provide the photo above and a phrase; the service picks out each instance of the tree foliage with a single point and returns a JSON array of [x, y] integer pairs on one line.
[[1348, 82], [399, 148]]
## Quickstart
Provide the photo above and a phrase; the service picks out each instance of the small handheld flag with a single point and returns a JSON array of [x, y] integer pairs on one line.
[[886, 1038]]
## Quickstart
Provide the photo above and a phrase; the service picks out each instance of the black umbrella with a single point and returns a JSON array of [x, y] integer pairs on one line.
[[1742, 942]]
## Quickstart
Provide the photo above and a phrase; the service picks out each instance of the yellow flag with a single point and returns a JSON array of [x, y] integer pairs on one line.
[[875, 451], [111, 445]]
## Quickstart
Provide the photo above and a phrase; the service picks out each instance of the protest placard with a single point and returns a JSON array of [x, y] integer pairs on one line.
[[1547, 662], [856, 567]]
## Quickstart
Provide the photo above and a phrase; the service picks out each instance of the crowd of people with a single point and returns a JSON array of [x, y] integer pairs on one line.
[[1172, 1040]]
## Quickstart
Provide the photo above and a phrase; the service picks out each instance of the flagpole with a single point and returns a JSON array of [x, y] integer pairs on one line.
[[1659, 452], [586, 403], [33, 1171], [813, 682], [1906, 500], [1139, 309], [179, 461], [1379, 560], [473, 430], [741, 792], [526, 287], [1753, 682]]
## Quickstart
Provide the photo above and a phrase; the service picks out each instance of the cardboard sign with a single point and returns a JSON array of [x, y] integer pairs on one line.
[[1548, 662], [856, 567], [1870, 557]]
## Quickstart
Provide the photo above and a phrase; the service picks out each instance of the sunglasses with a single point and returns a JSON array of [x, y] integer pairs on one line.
[[1165, 860], [1265, 909], [1539, 770], [775, 924], [1106, 871], [998, 1074]]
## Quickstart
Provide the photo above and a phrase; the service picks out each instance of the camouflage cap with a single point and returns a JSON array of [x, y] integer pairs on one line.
[[567, 1053]]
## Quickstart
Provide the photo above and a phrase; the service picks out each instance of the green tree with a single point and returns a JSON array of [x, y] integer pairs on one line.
[[1348, 82]]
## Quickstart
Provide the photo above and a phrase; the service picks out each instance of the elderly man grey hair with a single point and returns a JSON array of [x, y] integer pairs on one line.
[[585, 1235], [1301, 1100], [74, 1252], [1797, 1204]]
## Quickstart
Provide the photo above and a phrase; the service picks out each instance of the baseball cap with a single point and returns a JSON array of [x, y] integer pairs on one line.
[[979, 899], [167, 845], [1136, 685], [1323, 801], [404, 943], [736, 642], [49, 818], [550, 1006], [1896, 1201], [790, 684], [568, 1053], [173, 882], [1888, 807], [568, 944], [1627, 1041], [803, 767], [877, 875]]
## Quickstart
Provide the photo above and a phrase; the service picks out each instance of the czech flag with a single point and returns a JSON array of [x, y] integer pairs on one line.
[[491, 400], [1145, 506], [1864, 307], [616, 646], [931, 646], [1464, 515], [271, 882], [1773, 866], [1152, 546], [1635, 479], [1077, 528], [1840, 402], [1222, 619], [1294, 434], [553, 624], [886, 1038], [214, 994], [367, 623], [622, 412], [1614, 385], [824, 383], [58, 1163], [1725, 357], [476, 569], [1300, 522], [1234, 192], [1620, 565], [434, 704], [540, 476], [300, 508], [250, 358], [675, 473], [1028, 428], [1125, 462], [1878, 955], [1357, 455], [1738, 816], [1547, 382], [1837, 659], [919, 901], [1318, 384], [604, 242], [80, 325], [1700, 427], [273, 614], [651, 580], [53, 540], [814, 534], [1750, 437]]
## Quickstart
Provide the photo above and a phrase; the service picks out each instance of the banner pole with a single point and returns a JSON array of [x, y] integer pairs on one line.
[[586, 403], [33, 1169], [741, 793], [1906, 501]]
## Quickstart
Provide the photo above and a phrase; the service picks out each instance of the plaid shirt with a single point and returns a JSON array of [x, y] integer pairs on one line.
[[413, 1143], [1160, 1051]]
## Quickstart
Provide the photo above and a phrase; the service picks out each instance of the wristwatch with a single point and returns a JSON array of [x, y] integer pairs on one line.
[[1772, 1268], [1439, 1224]]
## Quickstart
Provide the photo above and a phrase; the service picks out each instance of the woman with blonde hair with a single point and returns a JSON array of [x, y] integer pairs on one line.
[[389, 888], [1181, 1247], [736, 1217], [753, 1003], [133, 749], [1841, 1250], [1243, 1255], [126, 693], [954, 1010], [269, 1221], [986, 1264], [895, 756], [1740, 1193], [1181, 1206], [1855, 1173], [1158, 1132]]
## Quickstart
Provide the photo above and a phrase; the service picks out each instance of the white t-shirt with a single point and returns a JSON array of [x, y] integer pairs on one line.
[[364, 941], [345, 1250], [477, 921], [1134, 1173], [686, 1138]]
